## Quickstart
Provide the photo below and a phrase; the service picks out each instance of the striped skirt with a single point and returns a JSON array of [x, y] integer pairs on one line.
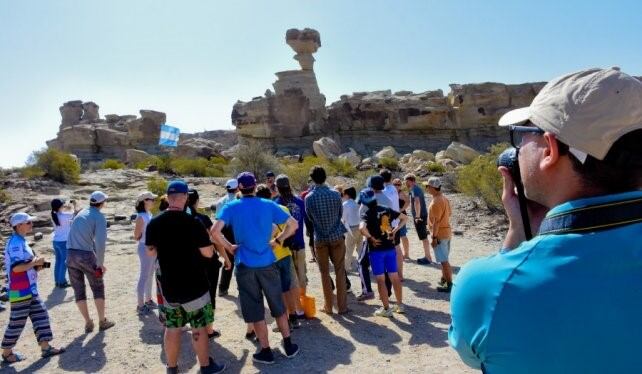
[[35, 310]]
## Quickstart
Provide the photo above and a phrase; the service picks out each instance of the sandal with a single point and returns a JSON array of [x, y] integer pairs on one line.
[[51, 351], [17, 357], [89, 327]]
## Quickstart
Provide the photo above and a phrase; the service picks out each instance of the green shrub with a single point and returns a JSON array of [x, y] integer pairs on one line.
[[197, 167], [32, 171], [255, 158], [481, 179], [157, 185], [112, 164], [4, 196], [390, 163], [435, 167], [56, 165], [299, 172], [160, 163], [343, 168]]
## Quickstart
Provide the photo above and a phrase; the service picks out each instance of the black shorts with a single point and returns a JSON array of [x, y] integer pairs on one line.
[[253, 283], [421, 226]]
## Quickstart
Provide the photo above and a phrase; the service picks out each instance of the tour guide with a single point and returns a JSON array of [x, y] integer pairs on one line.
[[570, 299]]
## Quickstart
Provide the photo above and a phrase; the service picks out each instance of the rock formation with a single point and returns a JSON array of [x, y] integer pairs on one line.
[[83, 133], [294, 116]]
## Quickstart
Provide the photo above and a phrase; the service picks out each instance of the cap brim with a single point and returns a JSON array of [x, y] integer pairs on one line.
[[515, 116]]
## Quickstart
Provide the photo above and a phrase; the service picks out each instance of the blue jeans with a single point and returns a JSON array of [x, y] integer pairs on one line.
[[60, 267]]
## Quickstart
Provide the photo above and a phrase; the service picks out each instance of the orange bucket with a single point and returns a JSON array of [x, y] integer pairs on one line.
[[309, 306]]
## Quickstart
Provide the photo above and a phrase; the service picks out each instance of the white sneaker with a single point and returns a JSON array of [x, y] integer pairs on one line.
[[382, 312], [400, 309]]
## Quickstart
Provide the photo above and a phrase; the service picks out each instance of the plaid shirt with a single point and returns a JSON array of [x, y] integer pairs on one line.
[[324, 208]]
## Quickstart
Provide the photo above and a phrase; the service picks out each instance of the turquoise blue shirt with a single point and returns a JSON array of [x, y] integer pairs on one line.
[[557, 304], [251, 219]]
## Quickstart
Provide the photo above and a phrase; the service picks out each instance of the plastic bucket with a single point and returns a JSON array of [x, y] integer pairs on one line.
[[309, 306]]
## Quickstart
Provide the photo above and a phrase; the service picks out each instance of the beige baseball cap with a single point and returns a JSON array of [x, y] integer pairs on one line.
[[588, 110], [146, 195], [433, 182]]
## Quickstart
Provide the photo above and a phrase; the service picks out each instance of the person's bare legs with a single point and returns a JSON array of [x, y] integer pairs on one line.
[[200, 342], [82, 307], [100, 308], [447, 271], [172, 345], [260, 329], [383, 290], [405, 244], [426, 245], [399, 261], [284, 326], [396, 287], [292, 300]]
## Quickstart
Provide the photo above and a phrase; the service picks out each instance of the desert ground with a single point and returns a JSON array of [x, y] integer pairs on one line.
[[357, 342]]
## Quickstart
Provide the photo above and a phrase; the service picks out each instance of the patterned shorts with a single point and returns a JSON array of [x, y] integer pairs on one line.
[[179, 315]]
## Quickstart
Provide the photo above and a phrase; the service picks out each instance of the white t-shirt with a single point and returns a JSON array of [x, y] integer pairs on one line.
[[146, 218], [351, 215], [391, 193], [61, 232]]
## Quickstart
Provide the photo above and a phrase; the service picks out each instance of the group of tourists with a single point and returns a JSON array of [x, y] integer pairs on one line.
[[552, 304]]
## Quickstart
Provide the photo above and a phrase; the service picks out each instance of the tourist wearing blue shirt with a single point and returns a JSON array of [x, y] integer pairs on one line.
[[570, 299], [252, 220]]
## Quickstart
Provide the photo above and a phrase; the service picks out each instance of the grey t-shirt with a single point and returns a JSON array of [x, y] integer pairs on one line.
[[416, 191]]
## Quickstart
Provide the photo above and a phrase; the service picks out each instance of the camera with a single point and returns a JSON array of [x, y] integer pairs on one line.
[[46, 265], [509, 159]]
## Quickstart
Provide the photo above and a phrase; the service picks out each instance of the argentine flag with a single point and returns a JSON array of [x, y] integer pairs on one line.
[[169, 136]]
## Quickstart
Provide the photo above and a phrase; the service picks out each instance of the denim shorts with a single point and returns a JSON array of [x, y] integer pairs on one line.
[[383, 261], [285, 271], [442, 250], [403, 231]]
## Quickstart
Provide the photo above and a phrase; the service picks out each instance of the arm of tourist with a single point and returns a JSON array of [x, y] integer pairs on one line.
[[223, 253], [151, 251], [207, 251], [417, 202], [100, 242], [24, 266], [138, 229], [366, 234], [290, 228], [219, 238], [435, 214], [402, 222], [406, 200]]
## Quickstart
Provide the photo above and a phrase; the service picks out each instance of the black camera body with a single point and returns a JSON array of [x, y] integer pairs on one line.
[[510, 160], [46, 265]]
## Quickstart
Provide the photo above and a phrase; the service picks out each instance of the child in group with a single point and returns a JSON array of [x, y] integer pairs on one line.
[[22, 266]]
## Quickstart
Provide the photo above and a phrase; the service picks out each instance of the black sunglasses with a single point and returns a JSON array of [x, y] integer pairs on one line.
[[517, 134]]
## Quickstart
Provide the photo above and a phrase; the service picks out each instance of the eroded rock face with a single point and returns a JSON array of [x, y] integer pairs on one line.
[[71, 113], [326, 148]]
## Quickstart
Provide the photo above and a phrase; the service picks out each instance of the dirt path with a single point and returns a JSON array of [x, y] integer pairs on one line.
[[359, 342]]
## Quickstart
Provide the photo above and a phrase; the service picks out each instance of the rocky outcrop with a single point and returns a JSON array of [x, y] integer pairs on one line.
[[126, 137], [326, 148], [292, 117]]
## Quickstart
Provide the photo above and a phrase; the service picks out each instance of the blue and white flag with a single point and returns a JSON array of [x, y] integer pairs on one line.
[[169, 136]]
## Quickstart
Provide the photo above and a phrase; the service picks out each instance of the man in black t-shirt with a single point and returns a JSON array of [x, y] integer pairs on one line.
[[180, 244], [376, 227]]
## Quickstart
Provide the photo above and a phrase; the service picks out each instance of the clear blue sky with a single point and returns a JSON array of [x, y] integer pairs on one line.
[[194, 59]]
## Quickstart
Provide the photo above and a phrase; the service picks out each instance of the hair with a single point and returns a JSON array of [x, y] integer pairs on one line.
[[386, 174], [317, 174], [163, 203], [140, 207], [263, 191], [192, 199], [232, 190], [96, 205], [351, 192], [54, 217], [285, 192], [620, 171], [248, 191], [410, 177]]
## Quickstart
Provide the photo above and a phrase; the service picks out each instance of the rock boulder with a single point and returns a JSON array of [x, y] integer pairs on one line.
[[326, 148]]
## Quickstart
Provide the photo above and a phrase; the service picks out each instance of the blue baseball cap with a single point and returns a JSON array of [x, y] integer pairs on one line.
[[246, 180], [366, 196], [177, 186]]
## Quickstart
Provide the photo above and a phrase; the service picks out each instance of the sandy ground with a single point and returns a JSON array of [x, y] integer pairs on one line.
[[358, 342]]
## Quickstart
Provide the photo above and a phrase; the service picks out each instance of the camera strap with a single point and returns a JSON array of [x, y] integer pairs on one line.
[[594, 218]]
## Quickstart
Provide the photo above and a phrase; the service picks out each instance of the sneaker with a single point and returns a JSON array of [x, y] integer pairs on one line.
[[301, 316], [445, 287], [215, 334], [399, 309], [290, 350], [213, 368], [172, 370], [264, 356], [251, 336], [142, 310], [294, 321], [423, 261], [442, 281], [222, 293], [150, 304], [382, 312], [105, 325], [365, 296]]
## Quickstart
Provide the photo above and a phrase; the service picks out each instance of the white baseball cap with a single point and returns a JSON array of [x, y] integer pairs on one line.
[[146, 195], [232, 184], [18, 218], [98, 197], [587, 110], [433, 182]]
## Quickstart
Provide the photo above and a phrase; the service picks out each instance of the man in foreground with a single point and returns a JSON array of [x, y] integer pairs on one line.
[[252, 220], [182, 246], [568, 300]]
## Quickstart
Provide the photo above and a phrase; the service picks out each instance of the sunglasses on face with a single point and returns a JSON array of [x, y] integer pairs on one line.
[[517, 134], [397, 184], [149, 200]]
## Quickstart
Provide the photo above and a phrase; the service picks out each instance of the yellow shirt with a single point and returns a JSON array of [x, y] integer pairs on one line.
[[281, 251]]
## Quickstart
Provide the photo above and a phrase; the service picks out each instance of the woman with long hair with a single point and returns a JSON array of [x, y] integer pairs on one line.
[[144, 204], [61, 214]]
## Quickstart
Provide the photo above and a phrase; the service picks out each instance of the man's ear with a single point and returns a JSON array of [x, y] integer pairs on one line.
[[551, 153]]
